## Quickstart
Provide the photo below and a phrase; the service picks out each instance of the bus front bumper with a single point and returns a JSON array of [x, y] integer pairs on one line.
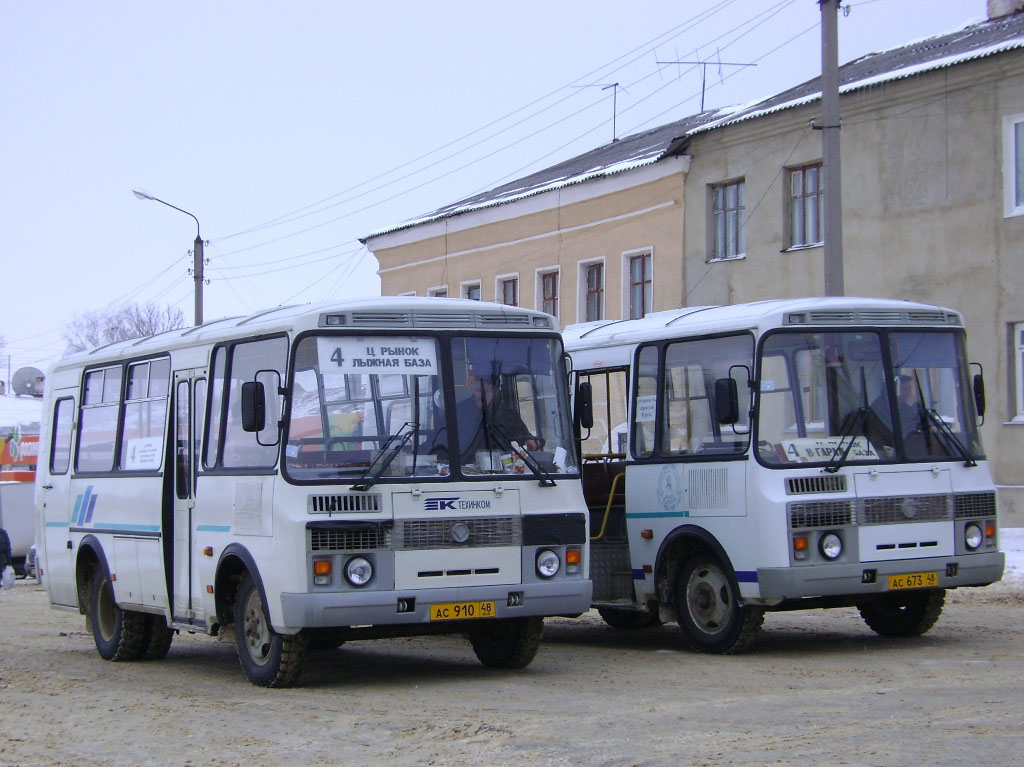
[[361, 608], [783, 583]]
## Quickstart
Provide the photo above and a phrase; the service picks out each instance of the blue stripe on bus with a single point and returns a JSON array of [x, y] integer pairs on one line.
[[92, 506], [57, 524], [213, 528], [119, 526], [746, 576], [639, 575], [78, 505], [654, 514]]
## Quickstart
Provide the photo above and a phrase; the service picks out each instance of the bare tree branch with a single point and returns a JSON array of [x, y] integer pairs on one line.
[[100, 327]]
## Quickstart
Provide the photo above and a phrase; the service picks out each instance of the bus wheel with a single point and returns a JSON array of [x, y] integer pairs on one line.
[[158, 638], [119, 634], [907, 614], [511, 643], [268, 659], [619, 618], [708, 608]]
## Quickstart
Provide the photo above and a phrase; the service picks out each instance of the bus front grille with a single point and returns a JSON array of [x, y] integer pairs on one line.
[[904, 508], [974, 505], [471, 532], [362, 538], [804, 514]]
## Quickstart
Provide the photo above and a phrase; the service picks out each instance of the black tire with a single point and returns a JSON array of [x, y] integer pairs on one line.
[[158, 638], [268, 659], [907, 614], [627, 620], [120, 635], [325, 639], [509, 643], [709, 611]]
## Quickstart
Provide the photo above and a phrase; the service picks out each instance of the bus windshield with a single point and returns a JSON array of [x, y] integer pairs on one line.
[[367, 407], [864, 397]]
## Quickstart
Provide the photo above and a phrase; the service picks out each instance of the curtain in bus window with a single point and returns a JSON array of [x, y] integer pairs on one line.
[[99, 419], [261, 361], [145, 411]]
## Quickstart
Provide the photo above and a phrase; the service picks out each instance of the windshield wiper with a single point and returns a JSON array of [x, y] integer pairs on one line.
[[506, 443], [950, 437], [854, 420], [385, 457]]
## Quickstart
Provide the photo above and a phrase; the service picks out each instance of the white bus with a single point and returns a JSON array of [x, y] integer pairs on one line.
[[315, 474], [781, 455]]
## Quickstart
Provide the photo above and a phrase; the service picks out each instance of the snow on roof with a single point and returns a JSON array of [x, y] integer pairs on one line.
[[21, 411], [973, 41]]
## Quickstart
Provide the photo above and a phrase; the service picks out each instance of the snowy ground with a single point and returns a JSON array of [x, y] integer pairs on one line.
[[1011, 541]]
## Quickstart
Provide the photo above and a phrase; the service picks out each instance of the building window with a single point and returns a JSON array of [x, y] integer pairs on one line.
[[1013, 165], [728, 236], [592, 280], [439, 292], [471, 290], [1018, 371], [547, 283], [508, 290], [639, 296], [806, 209]]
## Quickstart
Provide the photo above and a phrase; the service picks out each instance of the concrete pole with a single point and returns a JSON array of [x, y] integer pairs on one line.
[[197, 271], [830, 147]]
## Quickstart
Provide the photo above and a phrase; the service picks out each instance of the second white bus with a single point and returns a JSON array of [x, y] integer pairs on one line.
[[782, 455]]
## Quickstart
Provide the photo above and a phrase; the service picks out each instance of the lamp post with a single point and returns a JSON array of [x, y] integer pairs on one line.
[[197, 252]]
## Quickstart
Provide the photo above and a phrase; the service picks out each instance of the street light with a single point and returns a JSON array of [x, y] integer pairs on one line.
[[197, 251]]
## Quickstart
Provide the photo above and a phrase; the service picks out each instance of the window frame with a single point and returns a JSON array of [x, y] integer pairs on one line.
[[791, 200], [627, 282], [1013, 165], [741, 220], [437, 291], [499, 288], [1017, 382], [467, 287], [541, 299], [584, 291], [53, 471]]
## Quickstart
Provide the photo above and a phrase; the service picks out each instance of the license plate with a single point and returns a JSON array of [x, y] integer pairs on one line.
[[913, 581], [460, 611]]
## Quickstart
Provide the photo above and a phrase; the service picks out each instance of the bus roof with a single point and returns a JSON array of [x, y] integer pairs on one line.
[[403, 314], [759, 315]]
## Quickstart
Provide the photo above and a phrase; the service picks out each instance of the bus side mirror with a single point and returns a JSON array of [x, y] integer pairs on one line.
[[979, 393], [727, 401], [254, 406], [584, 405]]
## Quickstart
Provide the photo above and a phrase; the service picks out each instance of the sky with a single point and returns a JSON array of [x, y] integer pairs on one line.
[[290, 130]]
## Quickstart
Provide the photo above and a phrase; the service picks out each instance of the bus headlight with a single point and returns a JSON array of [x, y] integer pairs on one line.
[[548, 563], [973, 537], [358, 571], [830, 545]]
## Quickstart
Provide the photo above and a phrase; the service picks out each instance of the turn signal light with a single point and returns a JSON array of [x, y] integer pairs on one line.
[[322, 567], [990, 529], [800, 547]]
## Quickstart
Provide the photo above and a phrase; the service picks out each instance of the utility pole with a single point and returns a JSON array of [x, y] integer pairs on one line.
[[830, 125]]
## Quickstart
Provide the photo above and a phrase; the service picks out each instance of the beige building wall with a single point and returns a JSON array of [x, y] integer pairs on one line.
[[923, 218], [604, 220]]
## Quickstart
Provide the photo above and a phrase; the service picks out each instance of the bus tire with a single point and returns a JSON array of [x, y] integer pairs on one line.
[[709, 611], [268, 659], [909, 614], [158, 638], [120, 635], [510, 643], [627, 620]]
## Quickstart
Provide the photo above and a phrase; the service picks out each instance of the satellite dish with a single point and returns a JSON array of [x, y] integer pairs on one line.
[[28, 381]]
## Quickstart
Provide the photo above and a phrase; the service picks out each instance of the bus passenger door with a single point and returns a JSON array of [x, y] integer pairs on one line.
[[53, 500], [189, 386]]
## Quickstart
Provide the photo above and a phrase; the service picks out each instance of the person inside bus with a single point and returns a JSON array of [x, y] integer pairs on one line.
[[482, 414], [911, 409]]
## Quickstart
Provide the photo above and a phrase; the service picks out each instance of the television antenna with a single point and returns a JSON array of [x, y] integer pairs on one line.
[[704, 72]]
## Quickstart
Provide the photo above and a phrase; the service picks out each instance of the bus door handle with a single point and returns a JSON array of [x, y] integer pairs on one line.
[[47, 487]]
